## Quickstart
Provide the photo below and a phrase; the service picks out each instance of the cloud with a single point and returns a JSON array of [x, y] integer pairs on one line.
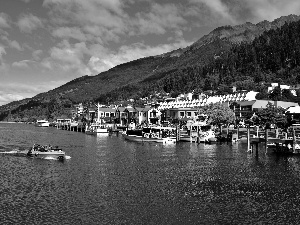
[[17, 91], [26, 1], [4, 20], [36, 54], [99, 63], [28, 23], [69, 32], [159, 19], [24, 64], [2, 52], [6, 98], [14, 44], [232, 12], [67, 57], [271, 9]]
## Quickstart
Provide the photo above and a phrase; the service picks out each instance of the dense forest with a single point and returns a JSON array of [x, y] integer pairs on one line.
[[211, 65]]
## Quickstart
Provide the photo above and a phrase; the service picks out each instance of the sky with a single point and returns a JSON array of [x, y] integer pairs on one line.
[[47, 43]]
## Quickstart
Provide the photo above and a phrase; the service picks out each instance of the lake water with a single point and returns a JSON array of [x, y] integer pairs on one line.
[[108, 180]]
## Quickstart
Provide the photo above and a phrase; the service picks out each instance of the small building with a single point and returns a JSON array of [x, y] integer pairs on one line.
[[243, 109]]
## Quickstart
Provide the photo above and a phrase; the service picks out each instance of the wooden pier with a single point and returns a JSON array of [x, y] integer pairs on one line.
[[275, 140], [71, 127]]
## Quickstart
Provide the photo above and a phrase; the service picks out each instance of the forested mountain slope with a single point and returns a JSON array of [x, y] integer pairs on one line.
[[245, 55]]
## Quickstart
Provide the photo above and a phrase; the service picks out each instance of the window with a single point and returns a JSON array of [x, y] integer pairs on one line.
[[189, 114], [182, 114], [107, 114]]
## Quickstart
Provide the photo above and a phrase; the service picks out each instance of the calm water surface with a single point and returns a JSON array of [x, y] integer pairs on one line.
[[109, 180]]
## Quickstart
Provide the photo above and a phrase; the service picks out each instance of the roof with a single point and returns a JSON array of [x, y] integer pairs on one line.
[[140, 109], [293, 109], [244, 103], [107, 110], [121, 109], [130, 109]]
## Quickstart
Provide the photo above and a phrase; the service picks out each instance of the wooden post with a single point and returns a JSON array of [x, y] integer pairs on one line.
[[248, 139], [257, 127], [256, 149], [276, 133], [177, 133], [266, 141], [294, 141], [237, 133]]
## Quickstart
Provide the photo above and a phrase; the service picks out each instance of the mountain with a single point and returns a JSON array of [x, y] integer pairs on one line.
[[226, 56]]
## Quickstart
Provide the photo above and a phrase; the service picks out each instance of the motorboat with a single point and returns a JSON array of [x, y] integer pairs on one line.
[[46, 151], [151, 134], [42, 123]]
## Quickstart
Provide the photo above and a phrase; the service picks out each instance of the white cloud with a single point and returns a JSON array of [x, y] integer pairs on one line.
[[67, 57], [28, 23], [272, 9], [36, 54], [13, 91], [99, 63], [14, 44], [69, 32], [24, 64], [6, 98], [2, 52], [160, 19], [4, 20]]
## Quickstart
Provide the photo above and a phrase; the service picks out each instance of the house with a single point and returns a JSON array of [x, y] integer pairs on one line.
[[243, 109], [106, 114]]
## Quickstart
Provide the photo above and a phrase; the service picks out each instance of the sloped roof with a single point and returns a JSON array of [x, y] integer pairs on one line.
[[121, 109], [107, 110], [293, 109]]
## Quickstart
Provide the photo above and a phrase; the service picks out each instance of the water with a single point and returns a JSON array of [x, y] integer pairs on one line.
[[108, 180]]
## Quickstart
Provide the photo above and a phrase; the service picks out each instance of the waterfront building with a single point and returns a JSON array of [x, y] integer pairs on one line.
[[242, 103], [106, 114], [243, 109]]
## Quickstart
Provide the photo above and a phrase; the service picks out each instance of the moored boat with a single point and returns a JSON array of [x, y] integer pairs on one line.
[[200, 131], [98, 128], [47, 151], [42, 123], [152, 134]]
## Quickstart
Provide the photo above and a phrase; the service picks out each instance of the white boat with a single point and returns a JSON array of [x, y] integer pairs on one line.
[[200, 131], [151, 134], [98, 128], [42, 123], [47, 151]]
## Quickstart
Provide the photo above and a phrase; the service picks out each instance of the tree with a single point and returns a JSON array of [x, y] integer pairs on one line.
[[218, 113], [271, 115], [275, 95]]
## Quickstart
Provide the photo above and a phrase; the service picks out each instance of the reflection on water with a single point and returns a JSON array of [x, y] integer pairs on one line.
[[109, 180]]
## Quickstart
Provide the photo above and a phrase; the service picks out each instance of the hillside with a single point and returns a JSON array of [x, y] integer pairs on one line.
[[239, 55]]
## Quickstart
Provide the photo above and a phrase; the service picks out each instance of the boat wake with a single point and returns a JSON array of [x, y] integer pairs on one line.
[[15, 152], [55, 158]]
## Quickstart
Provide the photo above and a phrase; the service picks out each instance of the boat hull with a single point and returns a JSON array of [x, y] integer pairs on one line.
[[52, 154], [101, 130], [143, 139], [43, 125]]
